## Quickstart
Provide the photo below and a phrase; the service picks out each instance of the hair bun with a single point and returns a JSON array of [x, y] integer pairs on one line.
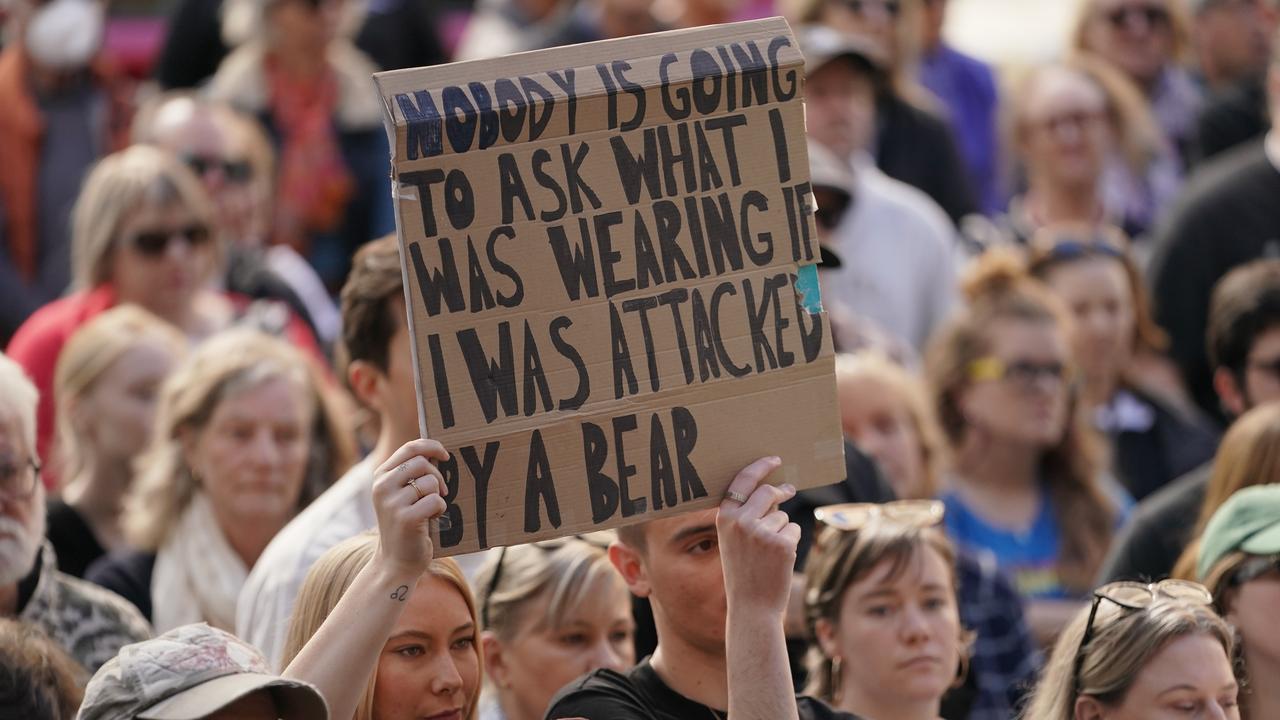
[[997, 272]]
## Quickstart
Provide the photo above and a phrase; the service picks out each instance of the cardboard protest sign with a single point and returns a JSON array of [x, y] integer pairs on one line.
[[609, 255]]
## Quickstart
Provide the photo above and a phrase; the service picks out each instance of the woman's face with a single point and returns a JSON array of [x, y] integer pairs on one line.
[[1098, 293], [913, 625], [1065, 133], [876, 418], [1189, 678], [251, 457], [161, 259], [1134, 35], [117, 412], [876, 20], [430, 666], [1029, 404], [303, 26], [1253, 613], [539, 661]]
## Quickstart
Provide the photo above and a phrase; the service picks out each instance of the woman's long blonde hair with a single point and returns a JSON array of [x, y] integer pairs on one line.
[[329, 579], [92, 350], [1122, 642], [998, 289], [223, 365], [1249, 455]]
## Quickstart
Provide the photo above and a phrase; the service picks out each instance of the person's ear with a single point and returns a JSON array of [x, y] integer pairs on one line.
[[1088, 708], [1234, 398], [367, 381], [495, 662], [825, 632], [630, 565]]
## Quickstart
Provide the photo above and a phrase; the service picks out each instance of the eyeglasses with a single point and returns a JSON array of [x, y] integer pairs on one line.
[[892, 8], [1021, 372], [1254, 568], [1155, 16], [15, 480], [547, 546], [1137, 596], [155, 243], [235, 171], [849, 517]]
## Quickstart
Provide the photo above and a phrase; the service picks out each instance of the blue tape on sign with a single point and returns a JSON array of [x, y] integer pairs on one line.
[[807, 286]]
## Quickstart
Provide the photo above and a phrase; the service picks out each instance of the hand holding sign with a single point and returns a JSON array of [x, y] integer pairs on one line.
[[757, 541], [406, 497]]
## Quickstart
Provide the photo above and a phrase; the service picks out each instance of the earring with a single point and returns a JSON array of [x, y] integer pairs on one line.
[[837, 679]]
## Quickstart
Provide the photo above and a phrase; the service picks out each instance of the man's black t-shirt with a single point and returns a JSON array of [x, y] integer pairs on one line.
[[641, 695], [1158, 531]]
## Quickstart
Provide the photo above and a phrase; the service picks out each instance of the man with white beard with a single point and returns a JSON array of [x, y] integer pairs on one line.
[[90, 623]]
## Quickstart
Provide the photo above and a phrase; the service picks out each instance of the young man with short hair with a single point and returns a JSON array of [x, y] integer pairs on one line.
[[718, 581]]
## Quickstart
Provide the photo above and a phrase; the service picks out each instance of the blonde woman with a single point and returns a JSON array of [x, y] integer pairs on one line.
[[245, 438], [884, 576], [886, 412], [1087, 151], [106, 385], [402, 623], [552, 612], [1146, 40], [1141, 651], [142, 233]]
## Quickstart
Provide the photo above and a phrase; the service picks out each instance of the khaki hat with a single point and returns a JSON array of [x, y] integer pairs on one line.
[[188, 673], [1248, 522], [821, 45]]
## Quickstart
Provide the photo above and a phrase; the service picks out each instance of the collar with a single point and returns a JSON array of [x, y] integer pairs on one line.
[[35, 591]]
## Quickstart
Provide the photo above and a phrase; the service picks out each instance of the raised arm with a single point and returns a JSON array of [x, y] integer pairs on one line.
[[758, 551], [344, 651]]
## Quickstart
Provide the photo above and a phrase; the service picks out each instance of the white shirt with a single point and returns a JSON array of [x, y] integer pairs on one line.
[[266, 602], [897, 252]]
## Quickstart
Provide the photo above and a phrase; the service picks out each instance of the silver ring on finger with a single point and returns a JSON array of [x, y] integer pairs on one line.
[[413, 483], [735, 496]]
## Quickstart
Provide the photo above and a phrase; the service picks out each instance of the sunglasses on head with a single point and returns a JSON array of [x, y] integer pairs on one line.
[[1137, 596], [1154, 16], [237, 171], [154, 243], [850, 517], [547, 546]]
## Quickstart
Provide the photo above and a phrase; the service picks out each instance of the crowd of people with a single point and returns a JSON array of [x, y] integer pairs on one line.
[[1054, 291]]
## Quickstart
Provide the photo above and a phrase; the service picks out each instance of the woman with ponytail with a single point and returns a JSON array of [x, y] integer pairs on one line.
[[1027, 483]]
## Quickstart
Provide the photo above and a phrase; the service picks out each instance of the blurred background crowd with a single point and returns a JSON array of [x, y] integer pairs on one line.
[[1055, 293]]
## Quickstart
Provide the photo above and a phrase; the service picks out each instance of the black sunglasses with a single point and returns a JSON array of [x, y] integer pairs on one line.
[[154, 243], [237, 171], [1136, 596], [1154, 15], [547, 546], [832, 206]]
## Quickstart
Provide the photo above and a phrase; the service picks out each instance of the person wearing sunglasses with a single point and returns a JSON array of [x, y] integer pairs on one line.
[[1141, 652], [551, 612], [1239, 561], [1026, 481], [884, 577], [143, 233], [1145, 39], [908, 140], [1136, 401], [87, 622]]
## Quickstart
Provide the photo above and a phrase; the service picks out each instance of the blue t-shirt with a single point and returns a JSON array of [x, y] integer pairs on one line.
[[1029, 558]]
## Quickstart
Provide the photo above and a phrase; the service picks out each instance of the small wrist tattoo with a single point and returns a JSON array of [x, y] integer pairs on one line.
[[400, 593]]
